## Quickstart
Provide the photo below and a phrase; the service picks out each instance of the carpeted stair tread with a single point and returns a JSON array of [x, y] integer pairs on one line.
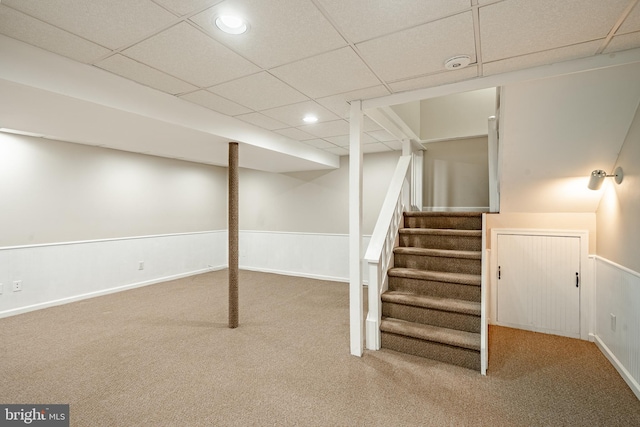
[[441, 238], [439, 214], [452, 337], [441, 232], [446, 253], [432, 307], [436, 276], [432, 302], [443, 220]]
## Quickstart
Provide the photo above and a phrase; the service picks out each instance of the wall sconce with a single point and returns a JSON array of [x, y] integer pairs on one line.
[[598, 176]]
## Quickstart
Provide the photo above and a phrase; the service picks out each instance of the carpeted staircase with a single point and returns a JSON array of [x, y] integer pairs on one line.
[[432, 306]]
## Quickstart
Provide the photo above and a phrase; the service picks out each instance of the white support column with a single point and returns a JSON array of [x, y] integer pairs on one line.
[[494, 194], [417, 178], [414, 149], [356, 310], [407, 150], [406, 147]]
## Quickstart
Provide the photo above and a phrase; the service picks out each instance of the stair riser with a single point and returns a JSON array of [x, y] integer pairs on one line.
[[445, 353], [445, 264], [460, 223], [445, 319], [436, 289], [456, 243]]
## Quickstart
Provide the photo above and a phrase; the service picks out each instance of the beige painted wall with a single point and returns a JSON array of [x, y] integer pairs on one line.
[[314, 202], [461, 115], [618, 215], [55, 191], [410, 114], [456, 174], [545, 221]]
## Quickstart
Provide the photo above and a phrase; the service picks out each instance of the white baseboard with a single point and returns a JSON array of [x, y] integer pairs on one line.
[[59, 273], [40, 306], [322, 256], [617, 293], [295, 274], [626, 375]]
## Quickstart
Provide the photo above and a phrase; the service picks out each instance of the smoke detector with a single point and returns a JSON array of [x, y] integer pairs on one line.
[[457, 62]]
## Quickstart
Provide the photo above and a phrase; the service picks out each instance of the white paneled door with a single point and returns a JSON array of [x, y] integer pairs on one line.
[[539, 283]]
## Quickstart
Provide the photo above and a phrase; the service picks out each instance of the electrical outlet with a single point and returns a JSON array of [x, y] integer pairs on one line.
[[141, 265], [613, 322], [17, 286]]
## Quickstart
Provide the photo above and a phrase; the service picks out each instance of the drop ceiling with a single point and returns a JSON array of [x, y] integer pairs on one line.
[[314, 56]]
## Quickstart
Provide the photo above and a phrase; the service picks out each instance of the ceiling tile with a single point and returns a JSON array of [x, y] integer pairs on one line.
[[361, 20], [328, 74], [376, 147], [340, 141], [624, 42], [394, 145], [340, 151], [144, 74], [420, 50], [437, 79], [113, 23], [183, 7], [35, 32], [294, 113], [382, 136], [294, 133], [281, 31], [343, 140], [370, 125], [632, 23], [339, 104], [542, 58], [259, 91], [262, 121], [319, 143], [190, 55], [519, 27], [327, 129], [215, 102]]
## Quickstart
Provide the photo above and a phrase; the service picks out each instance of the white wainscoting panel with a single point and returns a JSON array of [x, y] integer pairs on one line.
[[54, 274], [314, 255], [618, 319]]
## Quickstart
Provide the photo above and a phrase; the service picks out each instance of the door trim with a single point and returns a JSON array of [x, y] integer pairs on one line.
[[586, 288]]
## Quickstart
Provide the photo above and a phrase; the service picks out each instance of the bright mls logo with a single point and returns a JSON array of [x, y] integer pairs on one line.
[[34, 415]]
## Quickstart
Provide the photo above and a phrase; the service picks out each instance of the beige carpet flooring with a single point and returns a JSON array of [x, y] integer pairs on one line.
[[163, 356]]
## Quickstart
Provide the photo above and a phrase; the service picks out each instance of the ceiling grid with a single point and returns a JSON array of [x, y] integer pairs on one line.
[[314, 56]]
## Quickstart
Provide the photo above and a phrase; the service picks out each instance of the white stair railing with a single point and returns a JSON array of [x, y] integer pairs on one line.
[[379, 255]]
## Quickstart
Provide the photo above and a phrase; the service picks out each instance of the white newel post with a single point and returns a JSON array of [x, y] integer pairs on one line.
[[374, 314], [356, 310]]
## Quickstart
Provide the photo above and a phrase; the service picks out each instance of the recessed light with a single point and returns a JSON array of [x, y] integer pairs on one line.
[[231, 24], [310, 118]]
